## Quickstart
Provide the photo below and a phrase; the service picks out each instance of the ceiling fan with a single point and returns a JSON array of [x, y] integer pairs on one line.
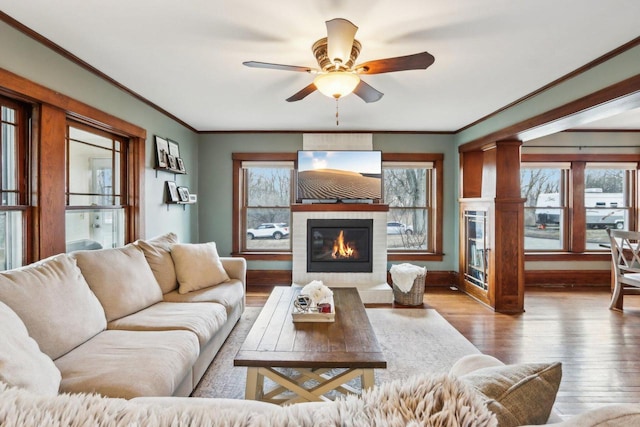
[[337, 75]]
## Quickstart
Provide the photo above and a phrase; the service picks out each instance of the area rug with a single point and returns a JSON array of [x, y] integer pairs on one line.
[[414, 341]]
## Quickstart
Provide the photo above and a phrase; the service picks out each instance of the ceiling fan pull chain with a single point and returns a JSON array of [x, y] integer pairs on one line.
[[337, 113]]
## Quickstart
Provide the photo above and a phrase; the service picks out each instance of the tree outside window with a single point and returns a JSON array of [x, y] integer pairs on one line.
[[268, 212], [406, 191]]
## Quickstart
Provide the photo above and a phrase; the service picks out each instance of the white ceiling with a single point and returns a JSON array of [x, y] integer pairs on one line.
[[186, 56]]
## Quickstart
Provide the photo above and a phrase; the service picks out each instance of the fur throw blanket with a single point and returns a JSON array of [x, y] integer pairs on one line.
[[424, 400]]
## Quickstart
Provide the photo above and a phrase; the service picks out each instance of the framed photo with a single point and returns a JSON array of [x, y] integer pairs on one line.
[[184, 194], [174, 149], [181, 167], [172, 162], [172, 192], [162, 151]]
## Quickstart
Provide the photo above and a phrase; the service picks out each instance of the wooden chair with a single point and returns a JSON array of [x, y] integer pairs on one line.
[[625, 256]]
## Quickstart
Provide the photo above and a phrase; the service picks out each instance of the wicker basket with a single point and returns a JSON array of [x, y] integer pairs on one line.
[[415, 294]]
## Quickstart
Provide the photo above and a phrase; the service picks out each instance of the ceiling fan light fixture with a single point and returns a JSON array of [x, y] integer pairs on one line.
[[336, 84], [340, 35]]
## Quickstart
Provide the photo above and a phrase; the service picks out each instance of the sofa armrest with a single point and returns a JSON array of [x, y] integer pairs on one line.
[[236, 268]]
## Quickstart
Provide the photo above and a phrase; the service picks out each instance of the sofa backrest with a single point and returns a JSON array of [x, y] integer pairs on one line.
[[55, 303], [121, 279]]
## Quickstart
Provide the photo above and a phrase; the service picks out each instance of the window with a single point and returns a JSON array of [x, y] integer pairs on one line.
[[95, 214], [546, 206], [607, 200], [13, 183], [570, 205], [407, 191], [264, 186], [413, 188], [267, 188]]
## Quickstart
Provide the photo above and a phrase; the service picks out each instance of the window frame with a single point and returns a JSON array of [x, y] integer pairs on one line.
[[120, 193], [575, 223], [435, 205], [23, 124], [49, 112]]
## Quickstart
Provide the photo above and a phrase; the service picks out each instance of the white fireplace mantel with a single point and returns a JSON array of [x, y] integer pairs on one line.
[[372, 287]]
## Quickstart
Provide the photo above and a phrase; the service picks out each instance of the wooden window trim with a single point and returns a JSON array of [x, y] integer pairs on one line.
[[437, 204], [576, 228], [436, 207], [50, 112]]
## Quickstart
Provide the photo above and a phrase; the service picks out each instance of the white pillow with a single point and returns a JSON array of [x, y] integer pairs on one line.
[[22, 364], [198, 266]]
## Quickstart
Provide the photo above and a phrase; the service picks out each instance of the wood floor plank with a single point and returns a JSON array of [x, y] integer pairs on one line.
[[598, 347]]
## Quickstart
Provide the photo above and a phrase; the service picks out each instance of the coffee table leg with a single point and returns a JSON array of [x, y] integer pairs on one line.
[[251, 392], [368, 379]]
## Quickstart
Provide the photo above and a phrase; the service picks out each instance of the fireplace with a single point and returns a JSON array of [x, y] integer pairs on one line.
[[340, 245]]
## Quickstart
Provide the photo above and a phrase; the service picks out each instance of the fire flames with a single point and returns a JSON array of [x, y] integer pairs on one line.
[[342, 249]]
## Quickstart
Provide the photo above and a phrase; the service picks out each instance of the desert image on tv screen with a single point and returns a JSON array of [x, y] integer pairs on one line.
[[339, 175]]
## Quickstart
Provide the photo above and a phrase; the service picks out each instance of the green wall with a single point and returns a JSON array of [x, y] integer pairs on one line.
[[26, 57], [214, 198]]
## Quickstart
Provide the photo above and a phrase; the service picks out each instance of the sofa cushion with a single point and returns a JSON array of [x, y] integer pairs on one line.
[[518, 394], [22, 364], [55, 303], [157, 251], [197, 266], [130, 363], [203, 319], [229, 294], [121, 279], [473, 362]]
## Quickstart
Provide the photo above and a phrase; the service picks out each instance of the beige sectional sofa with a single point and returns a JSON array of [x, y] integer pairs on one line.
[[146, 319]]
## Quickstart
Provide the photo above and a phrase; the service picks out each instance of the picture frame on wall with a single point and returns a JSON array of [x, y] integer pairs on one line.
[[172, 162], [184, 194], [162, 151], [174, 149], [172, 192], [181, 167]]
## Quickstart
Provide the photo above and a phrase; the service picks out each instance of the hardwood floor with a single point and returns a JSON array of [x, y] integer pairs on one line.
[[599, 348]]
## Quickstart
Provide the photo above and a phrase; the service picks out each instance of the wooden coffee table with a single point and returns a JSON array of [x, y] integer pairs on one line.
[[310, 351]]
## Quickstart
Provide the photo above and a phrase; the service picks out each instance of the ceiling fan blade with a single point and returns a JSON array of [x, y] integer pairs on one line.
[[417, 61], [340, 35], [367, 92], [303, 93], [255, 64]]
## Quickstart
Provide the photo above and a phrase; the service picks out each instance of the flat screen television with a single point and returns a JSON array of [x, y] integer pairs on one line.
[[339, 176]]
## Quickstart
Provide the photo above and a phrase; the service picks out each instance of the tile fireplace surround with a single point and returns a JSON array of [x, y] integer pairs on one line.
[[372, 287]]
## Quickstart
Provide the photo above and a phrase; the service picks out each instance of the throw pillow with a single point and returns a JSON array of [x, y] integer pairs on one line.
[[55, 303], [198, 266], [157, 251], [22, 364], [518, 394], [121, 279]]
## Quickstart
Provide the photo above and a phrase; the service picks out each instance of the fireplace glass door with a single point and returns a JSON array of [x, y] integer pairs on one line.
[[335, 245]]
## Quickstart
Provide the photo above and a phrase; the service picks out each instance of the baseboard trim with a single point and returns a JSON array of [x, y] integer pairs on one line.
[[268, 278]]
